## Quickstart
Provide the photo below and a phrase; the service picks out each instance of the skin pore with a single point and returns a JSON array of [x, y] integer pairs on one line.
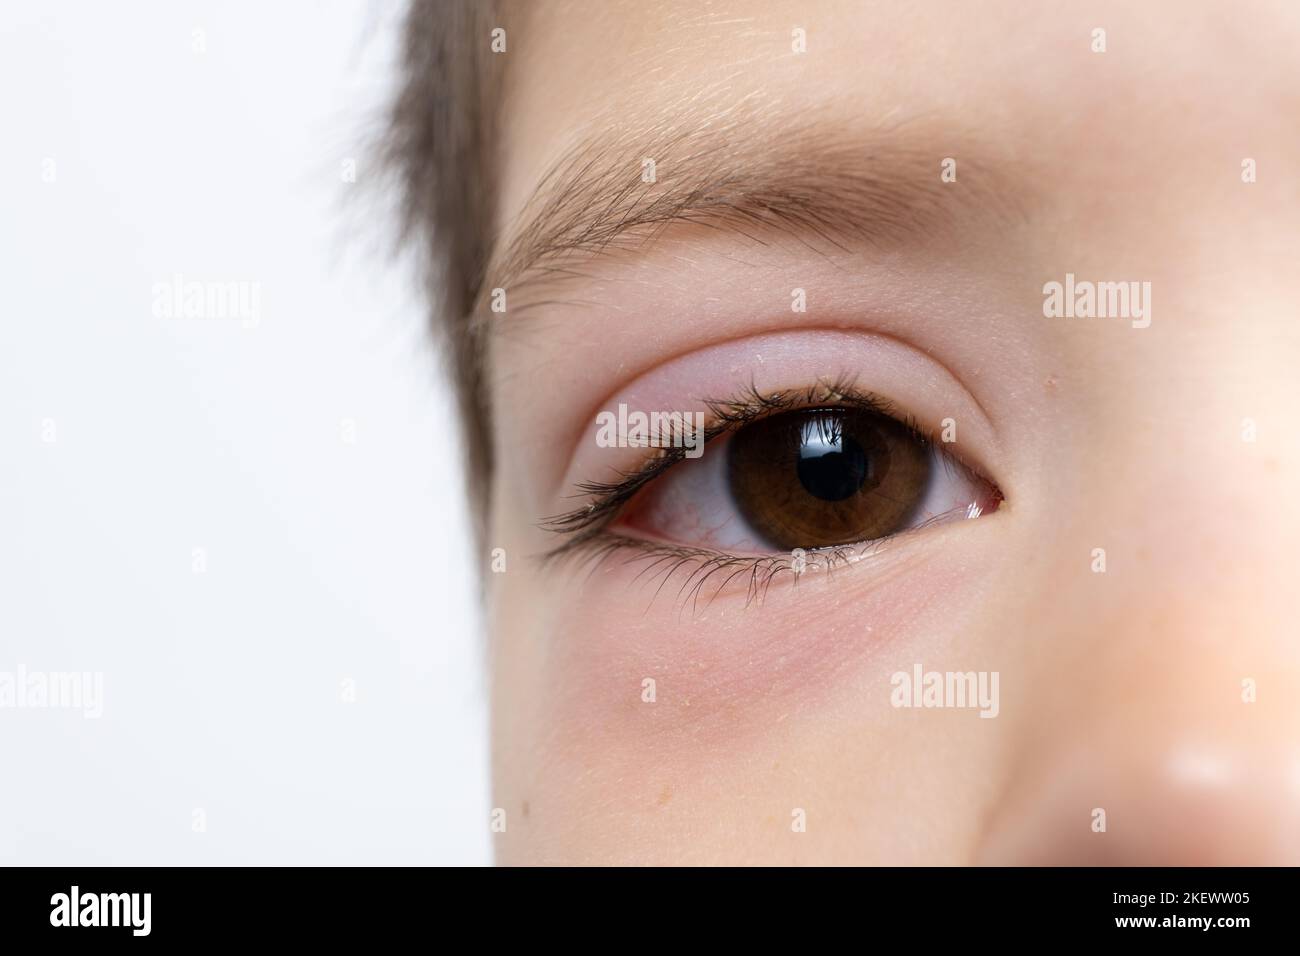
[[1171, 447]]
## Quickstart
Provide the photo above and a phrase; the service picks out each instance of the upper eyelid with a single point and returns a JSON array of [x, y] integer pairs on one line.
[[777, 359]]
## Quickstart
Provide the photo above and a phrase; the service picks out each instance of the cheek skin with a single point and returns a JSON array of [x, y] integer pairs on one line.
[[724, 671], [753, 705]]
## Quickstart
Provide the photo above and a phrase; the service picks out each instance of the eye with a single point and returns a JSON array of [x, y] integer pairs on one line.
[[826, 477], [811, 478]]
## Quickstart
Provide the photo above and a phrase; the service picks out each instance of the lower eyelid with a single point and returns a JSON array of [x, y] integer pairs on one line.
[[694, 579]]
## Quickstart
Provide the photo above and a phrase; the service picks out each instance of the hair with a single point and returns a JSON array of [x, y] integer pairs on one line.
[[441, 143]]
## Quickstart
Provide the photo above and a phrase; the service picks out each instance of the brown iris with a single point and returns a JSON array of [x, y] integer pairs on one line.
[[821, 477]]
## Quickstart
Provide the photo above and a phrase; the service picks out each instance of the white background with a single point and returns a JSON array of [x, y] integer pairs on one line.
[[326, 561]]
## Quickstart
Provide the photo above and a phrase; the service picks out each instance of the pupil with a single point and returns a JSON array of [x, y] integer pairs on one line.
[[832, 466]]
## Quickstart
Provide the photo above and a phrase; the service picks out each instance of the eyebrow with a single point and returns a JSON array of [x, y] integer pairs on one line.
[[829, 185]]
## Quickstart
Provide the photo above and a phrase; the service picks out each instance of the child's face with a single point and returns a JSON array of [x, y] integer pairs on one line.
[[882, 214]]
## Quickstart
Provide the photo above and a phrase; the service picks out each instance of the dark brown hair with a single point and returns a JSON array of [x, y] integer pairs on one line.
[[442, 146]]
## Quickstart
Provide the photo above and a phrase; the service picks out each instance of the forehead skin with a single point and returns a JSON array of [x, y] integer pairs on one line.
[[1027, 76], [1121, 165]]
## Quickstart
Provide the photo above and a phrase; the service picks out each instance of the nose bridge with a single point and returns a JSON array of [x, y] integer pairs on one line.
[[1167, 730], [1193, 478], [1193, 428], [1162, 723]]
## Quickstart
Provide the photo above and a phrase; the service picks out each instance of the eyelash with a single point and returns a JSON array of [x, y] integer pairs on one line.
[[589, 541]]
